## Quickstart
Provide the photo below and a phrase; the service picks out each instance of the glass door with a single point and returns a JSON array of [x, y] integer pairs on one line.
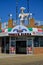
[[20, 47]]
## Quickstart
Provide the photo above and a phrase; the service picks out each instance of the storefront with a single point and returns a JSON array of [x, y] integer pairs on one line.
[[17, 41], [21, 40], [15, 45], [20, 45]]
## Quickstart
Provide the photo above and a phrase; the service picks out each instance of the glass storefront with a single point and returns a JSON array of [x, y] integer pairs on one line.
[[20, 45], [5, 45], [14, 45]]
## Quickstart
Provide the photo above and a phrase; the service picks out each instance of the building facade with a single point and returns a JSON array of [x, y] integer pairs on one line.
[[21, 39]]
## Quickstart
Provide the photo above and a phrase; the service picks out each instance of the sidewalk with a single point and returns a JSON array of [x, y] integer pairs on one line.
[[21, 59], [3, 55]]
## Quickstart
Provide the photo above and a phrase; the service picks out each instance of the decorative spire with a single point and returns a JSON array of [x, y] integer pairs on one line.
[[10, 16], [10, 21]]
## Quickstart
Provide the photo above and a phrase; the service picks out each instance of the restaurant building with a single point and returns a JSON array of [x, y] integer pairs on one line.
[[21, 38]]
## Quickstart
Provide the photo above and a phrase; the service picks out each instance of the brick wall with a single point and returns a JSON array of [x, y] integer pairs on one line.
[[38, 50]]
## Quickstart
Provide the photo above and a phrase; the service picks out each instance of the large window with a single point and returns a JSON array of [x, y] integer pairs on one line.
[[38, 41], [41, 42]]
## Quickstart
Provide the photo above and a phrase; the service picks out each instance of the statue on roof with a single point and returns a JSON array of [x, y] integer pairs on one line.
[[23, 16]]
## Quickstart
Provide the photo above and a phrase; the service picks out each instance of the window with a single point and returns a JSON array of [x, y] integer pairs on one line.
[[12, 43], [36, 42], [29, 43], [41, 41], [7, 43], [12, 38]]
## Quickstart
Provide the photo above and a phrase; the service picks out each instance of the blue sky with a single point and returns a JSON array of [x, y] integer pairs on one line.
[[9, 6]]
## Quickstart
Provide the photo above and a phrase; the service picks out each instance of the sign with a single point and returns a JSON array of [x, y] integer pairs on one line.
[[20, 34], [37, 33]]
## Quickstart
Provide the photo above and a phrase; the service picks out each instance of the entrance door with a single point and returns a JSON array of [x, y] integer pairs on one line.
[[20, 47]]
